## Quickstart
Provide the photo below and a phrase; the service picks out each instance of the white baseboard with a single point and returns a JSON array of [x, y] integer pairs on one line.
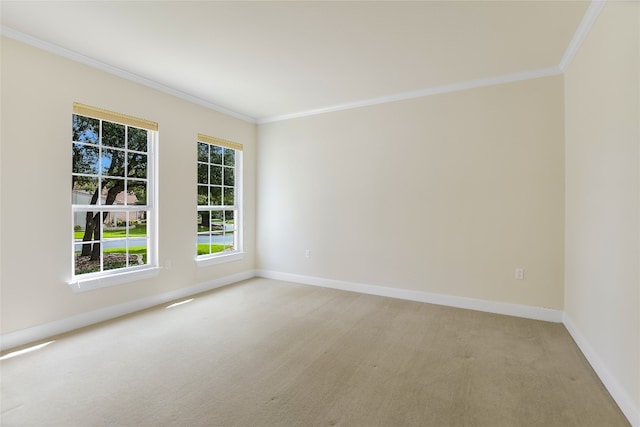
[[529, 312], [622, 398], [40, 332]]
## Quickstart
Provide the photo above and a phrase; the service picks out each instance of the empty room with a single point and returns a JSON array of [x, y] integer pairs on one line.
[[356, 213]]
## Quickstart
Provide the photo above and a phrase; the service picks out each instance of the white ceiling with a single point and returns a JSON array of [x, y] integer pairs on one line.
[[269, 60]]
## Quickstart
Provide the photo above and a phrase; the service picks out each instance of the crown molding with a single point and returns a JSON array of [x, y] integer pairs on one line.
[[579, 36], [437, 90], [581, 33], [83, 59]]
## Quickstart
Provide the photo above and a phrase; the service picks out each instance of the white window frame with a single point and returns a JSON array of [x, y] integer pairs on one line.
[[237, 253], [104, 278]]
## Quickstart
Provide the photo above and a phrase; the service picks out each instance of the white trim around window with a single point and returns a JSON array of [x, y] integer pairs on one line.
[[219, 235], [113, 198]]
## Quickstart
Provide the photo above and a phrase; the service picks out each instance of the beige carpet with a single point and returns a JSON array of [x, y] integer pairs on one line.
[[269, 353]]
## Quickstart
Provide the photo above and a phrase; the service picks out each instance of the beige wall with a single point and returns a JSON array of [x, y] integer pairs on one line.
[[38, 90], [445, 194], [602, 282]]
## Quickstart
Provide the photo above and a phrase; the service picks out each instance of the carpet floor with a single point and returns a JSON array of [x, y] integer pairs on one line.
[[271, 353]]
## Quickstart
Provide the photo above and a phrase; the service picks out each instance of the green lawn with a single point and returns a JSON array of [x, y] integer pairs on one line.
[[140, 250], [202, 229], [203, 249], [140, 230], [133, 250]]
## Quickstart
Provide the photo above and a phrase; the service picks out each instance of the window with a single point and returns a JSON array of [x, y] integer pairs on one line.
[[219, 218], [112, 192]]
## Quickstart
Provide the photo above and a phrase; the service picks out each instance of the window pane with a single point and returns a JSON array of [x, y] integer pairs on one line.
[[137, 165], [87, 255], [229, 220], [112, 134], [228, 196], [229, 230], [138, 254], [84, 264], [215, 154], [217, 242], [204, 247], [216, 175], [113, 192], [229, 178], [203, 224], [216, 196], [217, 221], [138, 237], [137, 228], [137, 139], [83, 190], [93, 228], [218, 236], [203, 195], [85, 129], [137, 192], [203, 173], [204, 236], [115, 254], [112, 162], [229, 157], [114, 224], [85, 159], [203, 152], [80, 227]]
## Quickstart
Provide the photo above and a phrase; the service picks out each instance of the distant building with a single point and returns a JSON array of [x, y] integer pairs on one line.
[[82, 197]]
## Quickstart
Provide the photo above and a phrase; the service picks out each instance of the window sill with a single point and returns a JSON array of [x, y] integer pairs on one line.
[[88, 284], [219, 259]]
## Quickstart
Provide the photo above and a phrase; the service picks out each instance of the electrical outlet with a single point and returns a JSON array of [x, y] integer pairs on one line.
[[167, 264], [307, 253], [519, 274]]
